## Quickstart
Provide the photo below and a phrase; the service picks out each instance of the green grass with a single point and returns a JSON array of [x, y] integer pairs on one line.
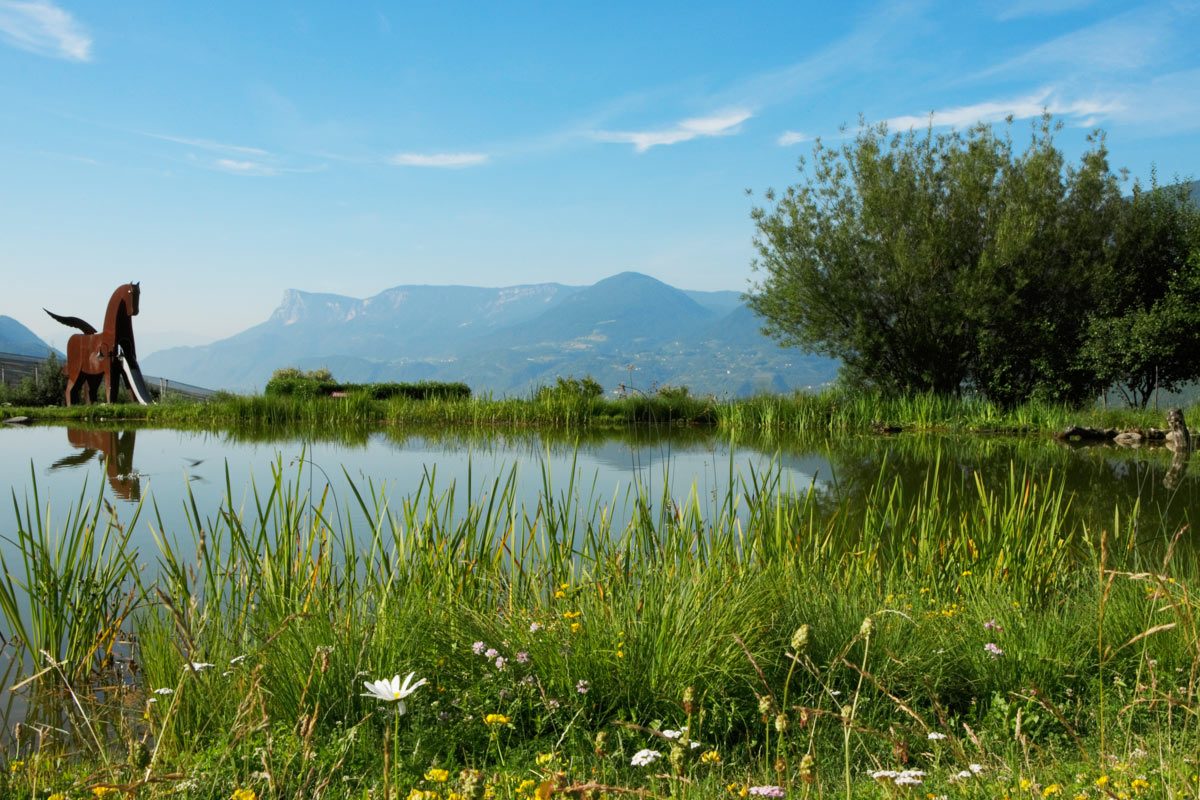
[[831, 412], [668, 621]]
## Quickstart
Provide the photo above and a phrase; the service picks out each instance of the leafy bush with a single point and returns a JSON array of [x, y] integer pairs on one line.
[[571, 388], [292, 382], [47, 386]]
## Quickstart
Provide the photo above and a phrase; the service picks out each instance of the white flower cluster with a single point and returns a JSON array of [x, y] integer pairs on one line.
[[906, 777], [646, 757], [970, 772]]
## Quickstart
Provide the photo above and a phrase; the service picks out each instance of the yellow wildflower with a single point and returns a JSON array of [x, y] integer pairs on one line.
[[1139, 785], [1051, 790], [244, 794], [1102, 781], [544, 758], [57, 796], [16, 766], [496, 719], [572, 614], [710, 757], [576, 627], [526, 786], [422, 794], [437, 775], [100, 792], [1025, 783]]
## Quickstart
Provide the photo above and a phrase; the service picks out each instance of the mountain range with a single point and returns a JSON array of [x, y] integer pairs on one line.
[[16, 339], [628, 329]]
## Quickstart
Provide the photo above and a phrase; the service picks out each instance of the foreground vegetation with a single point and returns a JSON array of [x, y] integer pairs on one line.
[[952, 639]]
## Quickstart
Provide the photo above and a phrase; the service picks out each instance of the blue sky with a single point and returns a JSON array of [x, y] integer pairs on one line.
[[223, 152]]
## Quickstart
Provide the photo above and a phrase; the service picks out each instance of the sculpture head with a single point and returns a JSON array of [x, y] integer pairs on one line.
[[133, 292]]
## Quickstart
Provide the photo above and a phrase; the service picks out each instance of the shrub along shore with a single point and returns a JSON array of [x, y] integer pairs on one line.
[[772, 642], [828, 412]]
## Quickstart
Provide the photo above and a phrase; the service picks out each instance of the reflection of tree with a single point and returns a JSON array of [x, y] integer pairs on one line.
[[1096, 479], [116, 448]]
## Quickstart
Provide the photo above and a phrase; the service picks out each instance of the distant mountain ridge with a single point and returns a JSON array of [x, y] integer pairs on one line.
[[15, 338], [629, 328]]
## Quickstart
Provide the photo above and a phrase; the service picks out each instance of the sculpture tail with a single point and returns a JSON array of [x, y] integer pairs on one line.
[[72, 322]]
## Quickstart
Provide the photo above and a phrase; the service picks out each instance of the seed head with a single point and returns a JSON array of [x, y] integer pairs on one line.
[[800, 639]]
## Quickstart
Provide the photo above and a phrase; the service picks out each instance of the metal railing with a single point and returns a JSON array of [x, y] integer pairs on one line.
[[15, 368]]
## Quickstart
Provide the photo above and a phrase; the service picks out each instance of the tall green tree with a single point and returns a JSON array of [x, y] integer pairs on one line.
[[1146, 332], [942, 261]]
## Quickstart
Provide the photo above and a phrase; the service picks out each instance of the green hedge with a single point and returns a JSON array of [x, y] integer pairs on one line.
[[292, 382]]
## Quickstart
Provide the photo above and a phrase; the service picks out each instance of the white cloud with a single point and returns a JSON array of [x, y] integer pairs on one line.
[[722, 124], [41, 27], [237, 167], [1079, 112], [788, 138], [207, 144], [442, 160]]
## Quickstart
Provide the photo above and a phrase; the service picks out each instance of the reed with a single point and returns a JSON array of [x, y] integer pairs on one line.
[[830, 412]]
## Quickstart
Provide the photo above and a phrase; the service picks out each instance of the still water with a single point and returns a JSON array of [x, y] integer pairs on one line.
[[160, 468]]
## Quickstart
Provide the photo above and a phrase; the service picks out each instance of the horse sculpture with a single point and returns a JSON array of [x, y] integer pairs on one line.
[[108, 354]]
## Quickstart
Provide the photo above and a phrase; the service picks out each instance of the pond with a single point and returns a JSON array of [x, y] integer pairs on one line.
[[164, 470]]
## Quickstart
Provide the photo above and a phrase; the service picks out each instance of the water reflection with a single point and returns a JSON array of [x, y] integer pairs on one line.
[[115, 448], [1178, 468]]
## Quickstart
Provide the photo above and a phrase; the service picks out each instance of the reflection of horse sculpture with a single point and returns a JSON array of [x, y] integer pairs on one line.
[[117, 451], [94, 356]]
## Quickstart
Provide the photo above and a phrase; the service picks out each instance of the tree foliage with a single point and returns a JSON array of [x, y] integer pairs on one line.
[[951, 261], [1146, 334]]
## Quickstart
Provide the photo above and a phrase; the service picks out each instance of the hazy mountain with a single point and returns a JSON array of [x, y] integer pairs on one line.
[[628, 329], [17, 339]]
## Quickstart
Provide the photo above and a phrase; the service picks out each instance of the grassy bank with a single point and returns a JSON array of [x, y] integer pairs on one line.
[[830, 412], [793, 643]]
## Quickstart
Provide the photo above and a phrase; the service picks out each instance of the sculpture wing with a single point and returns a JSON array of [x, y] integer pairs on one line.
[[72, 322]]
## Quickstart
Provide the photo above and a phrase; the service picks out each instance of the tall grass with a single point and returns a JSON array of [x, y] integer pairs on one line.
[[830, 412], [1002, 623]]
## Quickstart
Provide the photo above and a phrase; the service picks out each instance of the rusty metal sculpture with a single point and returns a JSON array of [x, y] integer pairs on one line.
[[106, 355]]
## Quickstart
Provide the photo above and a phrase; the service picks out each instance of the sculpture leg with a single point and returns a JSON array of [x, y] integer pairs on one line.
[[70, 388]]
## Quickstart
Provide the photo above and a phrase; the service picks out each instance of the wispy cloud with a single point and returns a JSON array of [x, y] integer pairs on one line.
[[870, 44], [1128, 41], [442, 160], [1081, 112], [725, 123], [41, 27], [1016, 9], [206, 144], [238, 167], [234, 159], [788, 138]]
